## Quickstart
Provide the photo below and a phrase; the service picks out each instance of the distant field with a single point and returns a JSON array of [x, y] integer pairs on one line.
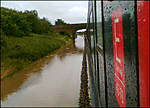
[[19, 52]]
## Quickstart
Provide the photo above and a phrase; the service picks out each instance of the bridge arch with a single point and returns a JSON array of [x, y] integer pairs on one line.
[[71, 28]]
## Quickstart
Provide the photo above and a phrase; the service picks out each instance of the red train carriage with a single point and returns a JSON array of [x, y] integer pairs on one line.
[[118, 53]]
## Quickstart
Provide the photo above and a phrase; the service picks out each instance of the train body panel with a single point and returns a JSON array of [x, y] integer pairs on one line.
[[143, 42], [120, 58]]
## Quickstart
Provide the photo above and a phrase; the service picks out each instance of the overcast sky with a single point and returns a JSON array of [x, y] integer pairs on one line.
[[69, 11]]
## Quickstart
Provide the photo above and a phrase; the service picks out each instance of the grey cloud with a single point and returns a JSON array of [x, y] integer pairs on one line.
[[70, 11]]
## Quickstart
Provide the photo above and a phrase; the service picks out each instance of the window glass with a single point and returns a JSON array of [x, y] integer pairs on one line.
[[99, 23], [91, 31]]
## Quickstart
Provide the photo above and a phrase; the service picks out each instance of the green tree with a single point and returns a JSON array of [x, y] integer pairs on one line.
[[60, 22], [18, 23]]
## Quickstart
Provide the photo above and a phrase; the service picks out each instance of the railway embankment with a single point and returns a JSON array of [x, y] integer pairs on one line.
[[84, 100], [18, 52], [25, 38]]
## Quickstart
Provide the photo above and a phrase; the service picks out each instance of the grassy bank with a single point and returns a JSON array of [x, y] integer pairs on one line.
[[19, 52]]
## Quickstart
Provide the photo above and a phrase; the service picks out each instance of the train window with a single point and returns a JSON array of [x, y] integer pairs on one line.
[[99, 24], [100, 61], [91, 31]]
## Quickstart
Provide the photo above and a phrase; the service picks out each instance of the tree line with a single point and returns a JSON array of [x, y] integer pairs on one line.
[[18, 23]]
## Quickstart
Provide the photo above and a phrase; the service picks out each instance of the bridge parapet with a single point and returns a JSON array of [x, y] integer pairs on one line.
[[70, 26]]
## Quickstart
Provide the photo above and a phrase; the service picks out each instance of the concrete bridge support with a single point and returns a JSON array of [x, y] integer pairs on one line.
[[73, 35]]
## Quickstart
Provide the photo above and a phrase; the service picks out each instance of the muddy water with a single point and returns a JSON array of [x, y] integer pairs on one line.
[[51, 81]]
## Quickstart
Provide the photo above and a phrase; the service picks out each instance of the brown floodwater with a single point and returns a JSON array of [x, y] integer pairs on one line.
[[53, 80]]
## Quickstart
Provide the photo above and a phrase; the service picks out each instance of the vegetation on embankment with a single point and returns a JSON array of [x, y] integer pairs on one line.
[[17, 53], [25, 38]]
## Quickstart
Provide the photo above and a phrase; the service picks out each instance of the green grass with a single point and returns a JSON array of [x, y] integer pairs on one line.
[[17, 52]]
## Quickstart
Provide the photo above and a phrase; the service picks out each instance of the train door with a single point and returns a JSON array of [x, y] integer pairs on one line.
[[121, 53]]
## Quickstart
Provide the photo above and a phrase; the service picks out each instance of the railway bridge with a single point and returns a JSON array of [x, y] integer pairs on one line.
[[71, 28]]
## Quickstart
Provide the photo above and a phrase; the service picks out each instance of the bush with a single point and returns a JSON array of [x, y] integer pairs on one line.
[[17, 23]]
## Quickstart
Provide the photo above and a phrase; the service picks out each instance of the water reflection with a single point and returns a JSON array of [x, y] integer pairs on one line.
[[52, 81], [76, 48]]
